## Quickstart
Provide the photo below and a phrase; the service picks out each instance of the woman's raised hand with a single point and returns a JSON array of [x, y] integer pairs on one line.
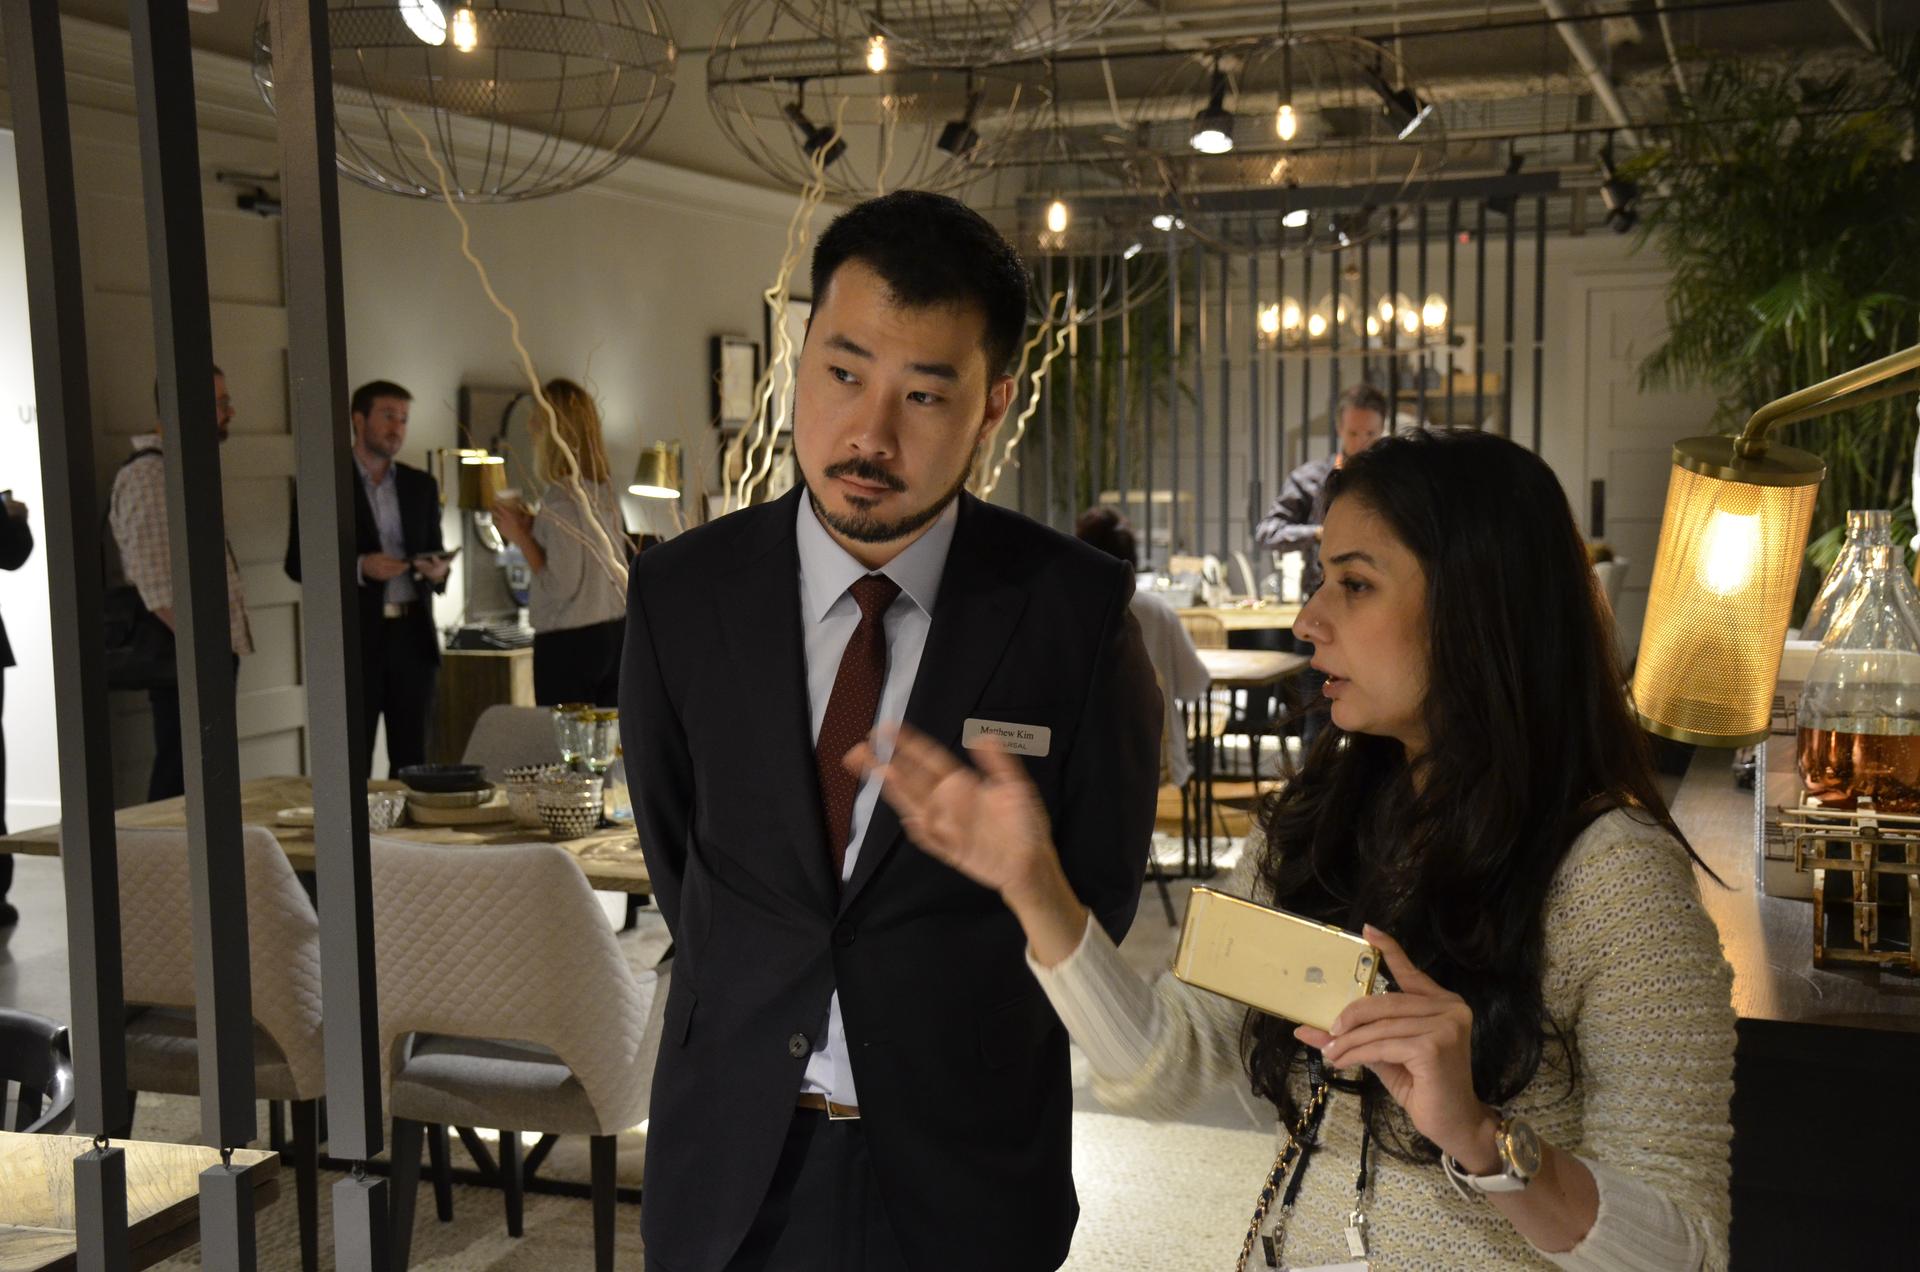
[[987, 823]]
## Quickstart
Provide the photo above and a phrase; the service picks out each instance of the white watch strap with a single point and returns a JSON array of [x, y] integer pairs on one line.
[[1505, 1181]]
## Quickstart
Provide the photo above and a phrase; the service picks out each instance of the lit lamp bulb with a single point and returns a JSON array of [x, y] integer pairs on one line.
[[1057, 217], [1317, 325], [1386, 309], [465, 30], [1285, 123], [1410, 321], [426, 19], [1373, 325], [877, 53], [1290, 316], [1270, 319], [1730, 551], [1433, 314]]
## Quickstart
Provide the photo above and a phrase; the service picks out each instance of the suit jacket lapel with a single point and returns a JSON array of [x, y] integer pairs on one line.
[[759, 608], [973, 619]]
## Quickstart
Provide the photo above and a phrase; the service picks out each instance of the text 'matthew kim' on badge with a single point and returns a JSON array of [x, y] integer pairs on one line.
[[1015, 739]]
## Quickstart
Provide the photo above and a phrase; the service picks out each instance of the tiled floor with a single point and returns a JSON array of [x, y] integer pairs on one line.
[[1166, 1197]]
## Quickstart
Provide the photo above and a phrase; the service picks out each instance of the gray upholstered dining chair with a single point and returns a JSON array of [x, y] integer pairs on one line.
[[283, 940], [506, 1002], [507, 737], [36, 1061]]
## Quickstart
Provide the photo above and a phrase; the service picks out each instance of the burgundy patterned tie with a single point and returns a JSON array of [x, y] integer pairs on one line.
[[851, 708]]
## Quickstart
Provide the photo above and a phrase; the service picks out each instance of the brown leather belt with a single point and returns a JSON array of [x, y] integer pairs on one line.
[[835, 1112]]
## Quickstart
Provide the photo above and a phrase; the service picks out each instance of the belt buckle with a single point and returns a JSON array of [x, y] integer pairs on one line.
[[842, 1112]]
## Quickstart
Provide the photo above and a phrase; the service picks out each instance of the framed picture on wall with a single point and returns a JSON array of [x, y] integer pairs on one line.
[[778, 478], [794, 321], [735, 369]]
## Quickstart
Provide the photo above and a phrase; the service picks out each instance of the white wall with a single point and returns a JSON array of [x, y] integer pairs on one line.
[[33, 778]]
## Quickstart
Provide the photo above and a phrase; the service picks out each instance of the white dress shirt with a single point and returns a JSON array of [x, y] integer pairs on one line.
[[828, 615]]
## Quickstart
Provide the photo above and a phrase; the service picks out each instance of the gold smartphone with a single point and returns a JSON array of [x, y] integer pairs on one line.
[[1277, 962]]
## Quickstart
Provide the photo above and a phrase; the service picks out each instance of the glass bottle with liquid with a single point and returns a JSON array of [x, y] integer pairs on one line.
[[1865, 529], [1860, 704]]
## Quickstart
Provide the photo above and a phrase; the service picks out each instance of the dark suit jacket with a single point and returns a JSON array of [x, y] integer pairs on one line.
[[960, 1061], [419, 530], [16, 545]]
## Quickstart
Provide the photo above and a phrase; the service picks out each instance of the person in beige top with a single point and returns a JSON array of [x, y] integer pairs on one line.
[[578, 552], [1549, 1084]]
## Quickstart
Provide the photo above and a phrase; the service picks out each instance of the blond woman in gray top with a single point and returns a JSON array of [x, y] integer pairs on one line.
[[1549, 1084], [578, 551]]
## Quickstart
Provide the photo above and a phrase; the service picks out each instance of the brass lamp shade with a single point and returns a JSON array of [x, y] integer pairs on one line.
[[658, 474], [1732, 545], [481, 477]]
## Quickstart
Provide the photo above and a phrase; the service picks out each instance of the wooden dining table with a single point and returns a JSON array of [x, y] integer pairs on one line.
[[610, 857], [1234, 670], [1265, 617], [39, 1226]]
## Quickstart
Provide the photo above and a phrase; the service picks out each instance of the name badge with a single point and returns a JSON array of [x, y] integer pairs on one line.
[[1015, 739]]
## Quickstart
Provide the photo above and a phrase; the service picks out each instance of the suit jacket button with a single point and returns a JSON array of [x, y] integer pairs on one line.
[[798, 1046], [843, 935]]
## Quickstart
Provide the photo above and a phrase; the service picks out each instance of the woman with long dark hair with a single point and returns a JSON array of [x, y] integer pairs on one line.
[[1549, 1083]]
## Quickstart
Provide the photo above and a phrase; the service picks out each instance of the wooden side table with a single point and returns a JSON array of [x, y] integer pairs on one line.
[[471, 680]]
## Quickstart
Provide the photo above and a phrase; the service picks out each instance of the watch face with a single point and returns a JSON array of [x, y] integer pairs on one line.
[[1522, 1147]]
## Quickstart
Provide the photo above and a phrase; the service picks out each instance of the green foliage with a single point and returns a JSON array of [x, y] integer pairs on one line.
[[1789, 210]]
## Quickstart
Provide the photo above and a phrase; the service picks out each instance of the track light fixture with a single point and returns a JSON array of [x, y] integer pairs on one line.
[[1402, 106], [814, 140], [1618, 194], [1213, 125], [959, 137]]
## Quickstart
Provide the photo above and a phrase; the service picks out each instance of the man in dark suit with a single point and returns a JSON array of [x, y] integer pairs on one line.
[[396, 520], [857, 1071]]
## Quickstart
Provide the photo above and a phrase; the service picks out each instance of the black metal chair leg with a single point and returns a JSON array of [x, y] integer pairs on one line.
[[512, 1181], [277, 1126], [305, 1146], [438, 1153], [405, 1183], [605, 1172]]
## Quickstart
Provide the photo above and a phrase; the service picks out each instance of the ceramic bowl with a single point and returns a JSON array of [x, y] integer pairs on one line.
[[444, 778], [570, 821], [523, 790]]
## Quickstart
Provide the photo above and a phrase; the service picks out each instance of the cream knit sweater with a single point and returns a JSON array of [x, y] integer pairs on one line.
[[1633, 970]]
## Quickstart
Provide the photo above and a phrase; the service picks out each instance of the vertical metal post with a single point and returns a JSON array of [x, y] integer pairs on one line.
[[329, 597], [1200, 343], [1367, 343], [1453, 296], [1333, 354], [57, 322], [1097, 398], [1280, 375], [1256, 372], [1393, 322], [1225, 338], [1539, 314], [1173, 395], [1072, 389], [1420, 302], [1506, 379], [1480, 319], [1306, 367], [1148, 388], [1123, 469], [1046, 405], [183, 347]]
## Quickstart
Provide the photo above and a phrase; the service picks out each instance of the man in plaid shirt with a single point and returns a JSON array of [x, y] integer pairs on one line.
[[139, 520]]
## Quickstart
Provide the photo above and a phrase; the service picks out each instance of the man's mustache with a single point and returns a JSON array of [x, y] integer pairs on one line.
[[868, 471]]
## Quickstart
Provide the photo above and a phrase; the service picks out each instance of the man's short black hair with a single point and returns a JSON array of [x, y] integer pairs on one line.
[[364, 395], [1365, 397], [930, 249], [1107, 529]]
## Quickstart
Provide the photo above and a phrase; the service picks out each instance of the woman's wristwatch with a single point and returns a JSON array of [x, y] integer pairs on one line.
[[1519, 1148]]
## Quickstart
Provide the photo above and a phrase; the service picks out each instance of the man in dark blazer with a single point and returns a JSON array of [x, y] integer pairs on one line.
[[857, 1071], [396, 526]]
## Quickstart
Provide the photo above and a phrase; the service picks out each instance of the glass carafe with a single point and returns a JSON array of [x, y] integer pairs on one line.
[[1864, 530], [1860, 705]]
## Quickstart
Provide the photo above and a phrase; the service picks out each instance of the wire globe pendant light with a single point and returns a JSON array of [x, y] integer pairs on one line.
[[522, 98]]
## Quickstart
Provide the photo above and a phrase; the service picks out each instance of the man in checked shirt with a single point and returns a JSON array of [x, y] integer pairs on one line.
[[139, 520]]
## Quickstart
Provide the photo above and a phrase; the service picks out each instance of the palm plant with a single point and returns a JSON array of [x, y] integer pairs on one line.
[[1790, 214]]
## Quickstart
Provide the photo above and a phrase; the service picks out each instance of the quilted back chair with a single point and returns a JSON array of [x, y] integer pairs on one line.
[[505, 1002], [283, 944], [507, 737]]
